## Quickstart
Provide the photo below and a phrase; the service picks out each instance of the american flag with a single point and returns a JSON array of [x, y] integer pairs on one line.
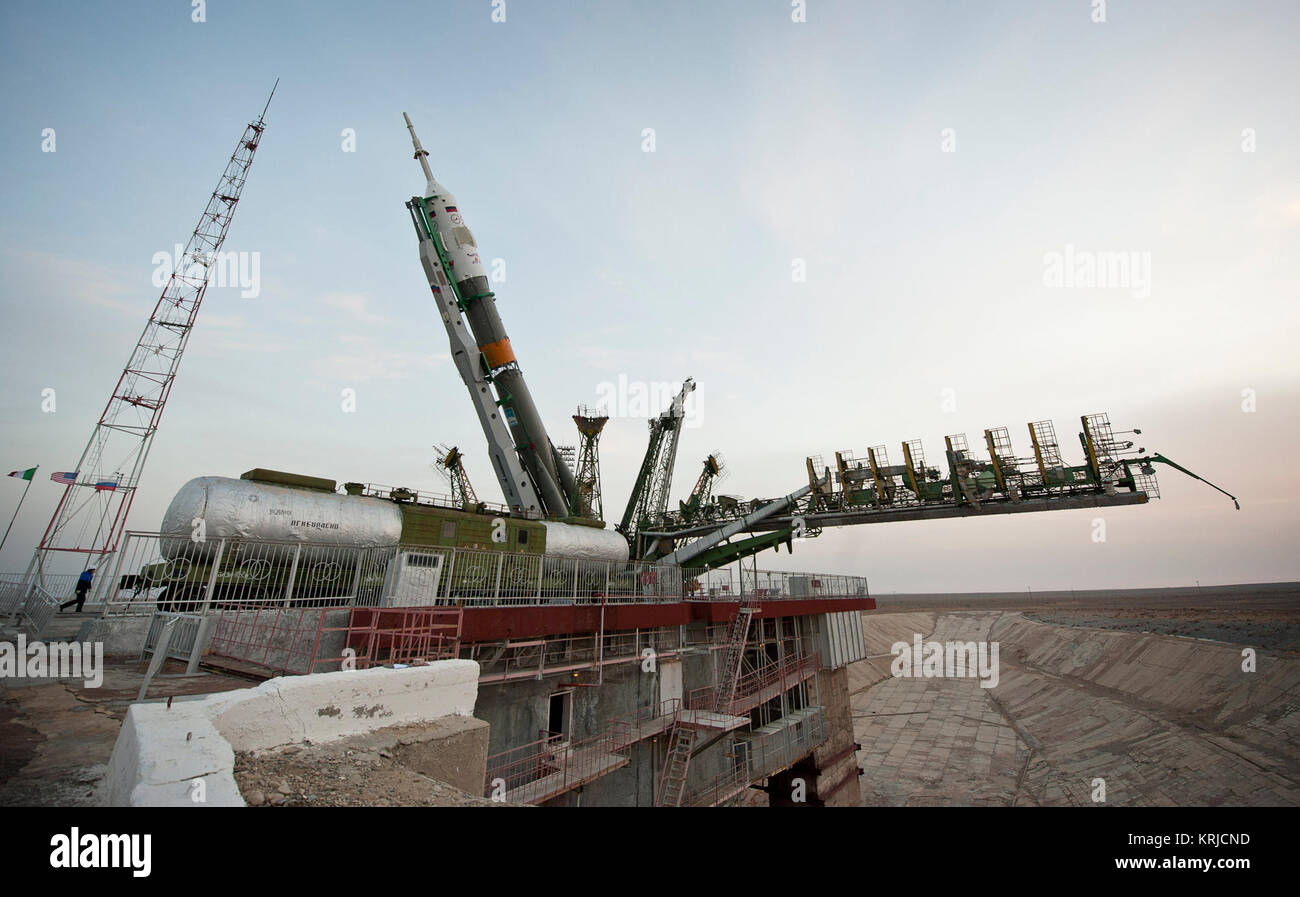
[[67, 479]]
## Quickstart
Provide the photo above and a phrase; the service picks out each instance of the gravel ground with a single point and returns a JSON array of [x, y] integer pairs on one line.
[[354, 772]]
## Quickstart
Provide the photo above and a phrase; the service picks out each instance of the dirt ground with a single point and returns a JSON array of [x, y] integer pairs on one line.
[[1149, 702], [56, 735], [1256, 596], [1261, 615], [1231, 626]]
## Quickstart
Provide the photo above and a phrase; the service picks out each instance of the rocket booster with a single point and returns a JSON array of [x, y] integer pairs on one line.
[[457, 268]]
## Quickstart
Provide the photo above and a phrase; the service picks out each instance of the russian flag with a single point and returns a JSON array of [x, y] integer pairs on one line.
[[105, 485]]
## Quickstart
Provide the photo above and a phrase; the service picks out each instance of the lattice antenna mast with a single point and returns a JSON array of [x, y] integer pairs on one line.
[[590, 423], [92, 513]]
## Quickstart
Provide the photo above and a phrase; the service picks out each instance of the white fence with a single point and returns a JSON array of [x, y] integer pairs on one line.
[[39, 610], [11, 594], [776, 746], [776, 584], [186, 635], [177, 575], [152, 572]]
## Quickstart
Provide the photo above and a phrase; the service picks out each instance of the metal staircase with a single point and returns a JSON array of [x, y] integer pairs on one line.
[[682, 740], [672, 784], [737, 636]]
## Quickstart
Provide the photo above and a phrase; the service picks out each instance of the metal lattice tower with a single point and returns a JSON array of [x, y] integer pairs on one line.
[[649, 498], [91, 515], [714, 472], [587, 498], [451, 464]]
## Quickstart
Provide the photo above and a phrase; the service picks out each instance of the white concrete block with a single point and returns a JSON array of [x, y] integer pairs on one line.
[[161, 751]]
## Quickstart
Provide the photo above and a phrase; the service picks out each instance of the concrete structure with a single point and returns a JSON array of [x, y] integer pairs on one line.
[[624, 683], [450, 749], [164, 750], [1079, 717], [124, 635], [643, 717]]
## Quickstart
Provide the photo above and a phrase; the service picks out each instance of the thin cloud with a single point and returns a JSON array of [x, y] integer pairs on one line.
[[355, 304]]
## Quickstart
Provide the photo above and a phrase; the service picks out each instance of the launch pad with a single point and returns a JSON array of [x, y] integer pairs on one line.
[[627, 665]]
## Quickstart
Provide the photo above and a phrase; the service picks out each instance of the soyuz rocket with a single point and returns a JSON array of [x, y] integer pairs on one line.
[[533, 476]]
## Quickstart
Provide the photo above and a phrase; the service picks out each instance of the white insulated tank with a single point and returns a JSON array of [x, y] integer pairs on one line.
[[247, 509], [257, 510], [585, 542]]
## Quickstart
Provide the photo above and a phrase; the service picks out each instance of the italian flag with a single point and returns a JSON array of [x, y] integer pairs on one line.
[[24, 474]]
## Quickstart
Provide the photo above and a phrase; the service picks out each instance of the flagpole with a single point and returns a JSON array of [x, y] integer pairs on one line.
[[20, 506]]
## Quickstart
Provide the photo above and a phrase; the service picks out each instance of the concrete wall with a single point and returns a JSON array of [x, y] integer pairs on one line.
[[880, 631], [451, 749], [836, 760], [122, 636], [519, 709], [1191, 677], [162, 751], [627, 690]]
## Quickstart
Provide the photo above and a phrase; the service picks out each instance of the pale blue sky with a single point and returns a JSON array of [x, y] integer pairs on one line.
[[774, 141]]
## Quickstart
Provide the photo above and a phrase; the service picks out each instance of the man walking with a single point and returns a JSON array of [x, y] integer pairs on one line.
[[83, 586]]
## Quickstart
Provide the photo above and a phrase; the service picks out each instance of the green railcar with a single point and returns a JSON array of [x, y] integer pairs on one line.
[[442, 550]]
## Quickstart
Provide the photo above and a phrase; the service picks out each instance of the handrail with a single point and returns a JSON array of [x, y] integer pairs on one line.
[[39, 608], [790, 670], [574, 761]]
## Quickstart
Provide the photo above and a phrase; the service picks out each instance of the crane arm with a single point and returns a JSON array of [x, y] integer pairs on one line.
[[1163, 460]]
